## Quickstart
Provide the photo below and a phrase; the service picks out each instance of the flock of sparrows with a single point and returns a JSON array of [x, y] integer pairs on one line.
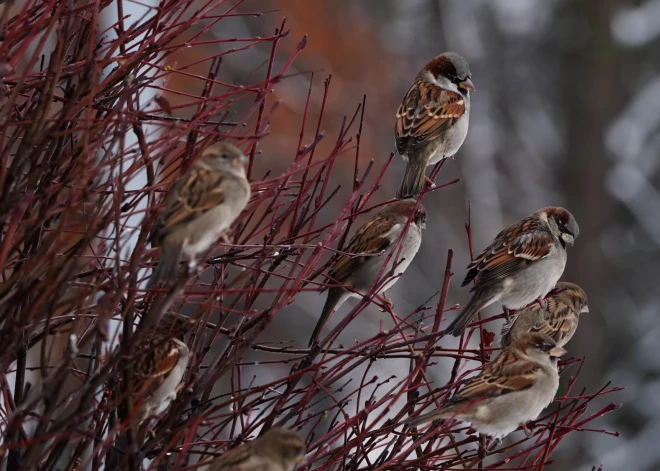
[[520, 268]]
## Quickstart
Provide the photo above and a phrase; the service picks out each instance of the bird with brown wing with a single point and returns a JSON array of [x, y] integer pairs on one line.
[[510, 391], [521, 265], [199, 208], [432, 120], [376, 254], [159, 366], [559, 319], [278, 449]]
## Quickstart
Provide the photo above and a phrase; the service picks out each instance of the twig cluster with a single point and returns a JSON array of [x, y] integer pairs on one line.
[[85, 158]]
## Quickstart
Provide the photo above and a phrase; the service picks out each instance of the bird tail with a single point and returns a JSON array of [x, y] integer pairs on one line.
[[336, 296], [167, 270], [413, 179], [476, 304], [443, 413]]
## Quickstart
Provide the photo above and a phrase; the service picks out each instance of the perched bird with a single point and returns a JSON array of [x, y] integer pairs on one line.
[[559, 320], [510, 391], [432, 120], [522, 264], [278, 449], [359, 273], [199, 208], [158, 369]]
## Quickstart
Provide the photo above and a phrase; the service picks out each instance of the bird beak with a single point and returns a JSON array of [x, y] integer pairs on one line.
[[467, 84], [567, 238], [244, 159], [422, 225], [585, 308], [557, 352]]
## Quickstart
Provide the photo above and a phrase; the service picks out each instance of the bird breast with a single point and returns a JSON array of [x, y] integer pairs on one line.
[[502, 415], [452, 140], [403, 253], [534, 281]]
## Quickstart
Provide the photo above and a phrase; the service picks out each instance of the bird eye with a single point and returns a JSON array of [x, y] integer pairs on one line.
[[544, 347]]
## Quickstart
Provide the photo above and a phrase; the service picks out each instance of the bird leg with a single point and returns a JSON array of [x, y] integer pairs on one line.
[[507, 314], [224, 238], [528, 431], [429, 183], [495, 442]]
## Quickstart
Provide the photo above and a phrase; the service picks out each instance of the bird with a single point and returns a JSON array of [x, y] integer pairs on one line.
[[432, 120], [559, 320], [200, 207], [278, 449], [355, 275], [521, 265], [159, 365], [510, 391]]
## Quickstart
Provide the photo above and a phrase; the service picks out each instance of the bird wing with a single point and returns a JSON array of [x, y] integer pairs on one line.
[[372, 238], [514, 248], [425, 113], [507, 373], [194, 194], [558, 321], [153, 362]]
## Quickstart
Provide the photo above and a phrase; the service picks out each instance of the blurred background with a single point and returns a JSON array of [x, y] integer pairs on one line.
[[566, 112]]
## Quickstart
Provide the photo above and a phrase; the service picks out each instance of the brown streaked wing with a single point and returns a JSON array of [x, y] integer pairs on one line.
[[154, 360], [191, 196], [561, 323], [507, 373], [370, 239], [513, 248], [425, 113]]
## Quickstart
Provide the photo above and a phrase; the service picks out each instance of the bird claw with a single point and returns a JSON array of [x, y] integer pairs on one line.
[[429, 183], [507, 314], [528, 431], [495, 442]]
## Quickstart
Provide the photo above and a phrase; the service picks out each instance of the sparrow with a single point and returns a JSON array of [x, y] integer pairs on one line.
[[559, 320], [510, 391], [199, 208], [355, 275], [159, 365], [432, 120], [522, 264], [278, 449]]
